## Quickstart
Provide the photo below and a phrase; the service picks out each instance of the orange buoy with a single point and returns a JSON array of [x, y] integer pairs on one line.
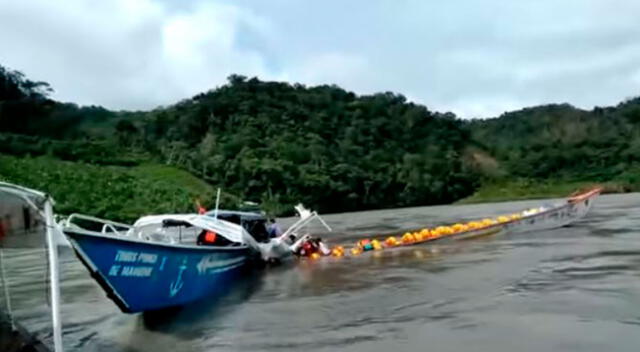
[[488, 222], [443, 230], [502, 219], [474, 225], [391, 241], [355, 251], [408, 238], [315, 255], [337, 252]]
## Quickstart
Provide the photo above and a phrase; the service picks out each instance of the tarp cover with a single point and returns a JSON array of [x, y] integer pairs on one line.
[[229, 230]]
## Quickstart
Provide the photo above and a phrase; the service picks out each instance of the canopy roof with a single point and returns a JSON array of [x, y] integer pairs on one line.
[[242, 215], [31, 196], [229, 230]]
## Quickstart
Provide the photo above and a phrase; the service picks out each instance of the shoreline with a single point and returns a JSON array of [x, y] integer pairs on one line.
[[515, 190]]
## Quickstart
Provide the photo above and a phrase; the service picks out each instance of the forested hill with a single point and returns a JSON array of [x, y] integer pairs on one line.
[[560, 140], [279, 144]]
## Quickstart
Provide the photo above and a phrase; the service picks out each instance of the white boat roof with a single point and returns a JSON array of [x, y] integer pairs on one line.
[[24, 192], [231, 231], [244, 215]]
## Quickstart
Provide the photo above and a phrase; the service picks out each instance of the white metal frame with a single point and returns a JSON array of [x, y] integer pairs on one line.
[[305, 218], [7, 295], [52, 249], [106, 224]]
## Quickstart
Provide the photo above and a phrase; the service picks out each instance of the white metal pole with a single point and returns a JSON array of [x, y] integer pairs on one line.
[[217, 204], [53, 277], [323, 223]]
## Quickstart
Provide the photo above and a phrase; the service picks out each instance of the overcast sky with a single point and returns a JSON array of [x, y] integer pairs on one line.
[[474, 58]]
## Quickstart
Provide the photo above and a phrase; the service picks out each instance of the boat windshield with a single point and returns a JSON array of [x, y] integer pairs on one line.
[[169, 231], [254, 223]]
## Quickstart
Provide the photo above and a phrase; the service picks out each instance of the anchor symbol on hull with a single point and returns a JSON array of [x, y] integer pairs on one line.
[[176, 286]]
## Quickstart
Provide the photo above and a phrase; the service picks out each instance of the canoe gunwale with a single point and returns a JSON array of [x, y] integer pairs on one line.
[[501, 227], [75, 231]]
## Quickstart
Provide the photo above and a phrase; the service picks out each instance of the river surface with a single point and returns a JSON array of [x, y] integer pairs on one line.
[[575, 288]]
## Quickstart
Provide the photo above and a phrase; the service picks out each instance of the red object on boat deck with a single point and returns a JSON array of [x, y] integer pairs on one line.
[[210, 237]]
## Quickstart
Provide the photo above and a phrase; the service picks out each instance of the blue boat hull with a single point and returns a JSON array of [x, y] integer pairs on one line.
[[143, 276]]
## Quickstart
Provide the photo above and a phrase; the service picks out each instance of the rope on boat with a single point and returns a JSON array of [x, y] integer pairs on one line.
[[424, 235]]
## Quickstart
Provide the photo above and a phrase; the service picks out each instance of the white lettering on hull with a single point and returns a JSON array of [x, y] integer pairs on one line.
[[211, 264], [136, 271]]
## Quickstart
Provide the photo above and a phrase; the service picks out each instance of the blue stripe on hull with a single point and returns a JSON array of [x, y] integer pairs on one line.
[[142, 276]]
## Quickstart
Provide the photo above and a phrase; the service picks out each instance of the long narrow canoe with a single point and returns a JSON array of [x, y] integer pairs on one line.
[[545, 217]]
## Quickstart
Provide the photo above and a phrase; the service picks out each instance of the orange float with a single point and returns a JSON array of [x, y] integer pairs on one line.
[[474, 225], [503, 219], [337, 251], [391, 241], [408, 238], [488, 222]]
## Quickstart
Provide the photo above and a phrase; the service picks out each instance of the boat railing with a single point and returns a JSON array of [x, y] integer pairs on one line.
[[305, 219], [108, 226]]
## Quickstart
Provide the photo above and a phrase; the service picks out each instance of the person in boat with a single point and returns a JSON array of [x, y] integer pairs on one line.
[[308, 246], [201, 210], [274, 229]]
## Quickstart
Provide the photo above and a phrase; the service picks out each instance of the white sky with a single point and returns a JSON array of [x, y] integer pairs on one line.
[[475, 58]]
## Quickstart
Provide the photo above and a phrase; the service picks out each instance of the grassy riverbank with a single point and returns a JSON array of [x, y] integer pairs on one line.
[[520, 189], [112, 192]]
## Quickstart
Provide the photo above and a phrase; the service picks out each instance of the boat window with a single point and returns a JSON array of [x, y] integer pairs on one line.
[[257, 229], [175, 223], [232, 218], [168, 232]]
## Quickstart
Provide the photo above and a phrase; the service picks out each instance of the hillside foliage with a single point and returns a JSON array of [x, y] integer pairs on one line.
[[279, 144]]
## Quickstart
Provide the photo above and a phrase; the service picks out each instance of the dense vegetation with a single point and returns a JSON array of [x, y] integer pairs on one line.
[[111, 192], [560, 140], [278, 144]]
